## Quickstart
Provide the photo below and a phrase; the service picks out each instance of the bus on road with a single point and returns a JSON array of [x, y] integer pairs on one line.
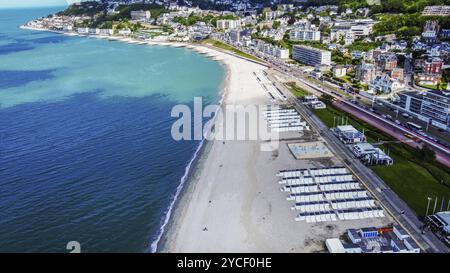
[[413, 126]]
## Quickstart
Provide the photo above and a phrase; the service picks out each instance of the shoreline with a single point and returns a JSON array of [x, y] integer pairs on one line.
[[169, 219], [175, 44], [229, 199], [196, 168], [192, 171]]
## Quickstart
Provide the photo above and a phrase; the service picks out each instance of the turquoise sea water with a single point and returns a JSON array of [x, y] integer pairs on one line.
[[85, 146]]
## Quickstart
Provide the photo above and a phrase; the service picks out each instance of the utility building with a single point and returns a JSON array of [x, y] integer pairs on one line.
[[371, 155], [348, 134]]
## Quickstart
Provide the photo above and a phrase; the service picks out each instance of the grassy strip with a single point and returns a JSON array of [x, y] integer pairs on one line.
[[440, 86], [296, 90], [224, 46], [412, 177]]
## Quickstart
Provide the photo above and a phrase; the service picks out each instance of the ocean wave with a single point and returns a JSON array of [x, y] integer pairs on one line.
[[166, 217]]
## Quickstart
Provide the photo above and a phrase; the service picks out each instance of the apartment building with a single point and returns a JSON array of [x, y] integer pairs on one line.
[[432, 72], [365, 72], [430, 106], [228, 24], [436, 11], [140, 15], [271, 15], [311, 56], [271, 50], [358, 29], [299, 34]]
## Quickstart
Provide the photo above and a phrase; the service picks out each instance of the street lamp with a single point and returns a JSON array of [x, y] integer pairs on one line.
[[428, 206], [426, 214]]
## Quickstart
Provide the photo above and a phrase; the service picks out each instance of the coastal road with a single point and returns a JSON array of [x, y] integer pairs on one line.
[[393, 130], [442, 152], [391, 203], [398, 209]]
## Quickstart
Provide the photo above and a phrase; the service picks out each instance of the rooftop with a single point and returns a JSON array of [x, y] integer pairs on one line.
[[365, 147], [444, 216], [312, 48], [335, 245], [347, 128]]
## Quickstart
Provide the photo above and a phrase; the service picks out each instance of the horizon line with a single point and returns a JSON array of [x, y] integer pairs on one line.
[[34, 7]]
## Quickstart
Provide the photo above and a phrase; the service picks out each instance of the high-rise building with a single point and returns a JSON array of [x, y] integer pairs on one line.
[[235, 35], [311, 56]]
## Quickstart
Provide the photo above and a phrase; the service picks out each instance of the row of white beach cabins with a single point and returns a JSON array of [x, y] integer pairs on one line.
[[284, 119], [272, 91], [327, 194]]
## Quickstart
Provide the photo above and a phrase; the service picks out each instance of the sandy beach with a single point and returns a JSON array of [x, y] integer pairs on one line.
[[233, 202]]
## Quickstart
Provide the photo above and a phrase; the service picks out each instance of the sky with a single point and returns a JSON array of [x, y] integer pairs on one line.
[[31, 3]]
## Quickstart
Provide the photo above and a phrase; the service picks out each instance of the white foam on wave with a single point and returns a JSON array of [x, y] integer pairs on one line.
[[154, 245]]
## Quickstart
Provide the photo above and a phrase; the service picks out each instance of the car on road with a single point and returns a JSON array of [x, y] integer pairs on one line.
[[405, 115], [398, 122]]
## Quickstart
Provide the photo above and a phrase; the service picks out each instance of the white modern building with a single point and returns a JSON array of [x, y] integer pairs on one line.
[[271, 50], [68, 28], [358, 29], [298, 34], [140, 15], [385, 84], [311, 56], [83, 30], [374, 240], [271, 15], [124, 32], [432, 107], [228, 24], [349, 134], [436, 11], [339, 71], [371, 155], [106, 31]]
